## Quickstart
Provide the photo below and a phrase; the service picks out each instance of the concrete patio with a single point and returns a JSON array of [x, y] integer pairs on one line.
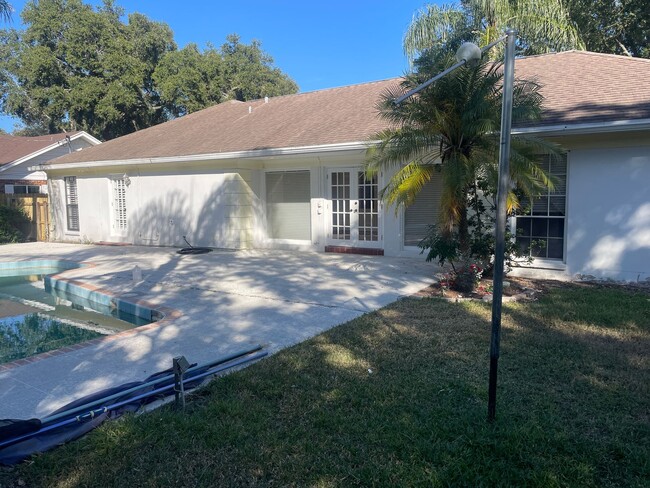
[[225, 301]]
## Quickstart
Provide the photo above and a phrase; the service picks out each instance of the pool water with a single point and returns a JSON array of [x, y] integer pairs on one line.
[[34, 319], [26, 335]]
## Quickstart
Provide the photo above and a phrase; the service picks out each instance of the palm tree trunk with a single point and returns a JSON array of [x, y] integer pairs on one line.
[[463, 231]]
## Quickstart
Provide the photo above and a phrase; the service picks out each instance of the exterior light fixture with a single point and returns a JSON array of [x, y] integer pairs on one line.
[[470, 53]]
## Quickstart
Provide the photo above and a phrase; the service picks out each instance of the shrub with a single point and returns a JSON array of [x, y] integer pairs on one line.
[[12, 220], [464, 279]]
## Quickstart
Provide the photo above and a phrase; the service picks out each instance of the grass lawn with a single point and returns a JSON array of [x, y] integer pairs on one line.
[[399, 398]]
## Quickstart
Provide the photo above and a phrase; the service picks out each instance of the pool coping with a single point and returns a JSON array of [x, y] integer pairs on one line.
[[167, 313]]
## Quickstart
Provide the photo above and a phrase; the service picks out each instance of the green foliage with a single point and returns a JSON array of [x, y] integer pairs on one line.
[[189, 80], [451, 129], [606, 26], [12, 220], [5, 10], [75, 67], [78, 68], [542, 26], [613, 26]]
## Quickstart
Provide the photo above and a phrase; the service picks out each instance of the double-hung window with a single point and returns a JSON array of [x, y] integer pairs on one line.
[[72, 203], [540, 226]]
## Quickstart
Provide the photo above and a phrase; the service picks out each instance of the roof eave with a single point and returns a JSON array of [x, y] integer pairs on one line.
[[252, 154], [585, 128]]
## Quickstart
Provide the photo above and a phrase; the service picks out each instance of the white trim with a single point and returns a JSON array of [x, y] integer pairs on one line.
[[55, 145], [543, 263], [586, 128], [354, 240], [252, 154]]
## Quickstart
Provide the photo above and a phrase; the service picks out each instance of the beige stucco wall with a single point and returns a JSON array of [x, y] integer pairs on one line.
[[212, 207], [213, 203]]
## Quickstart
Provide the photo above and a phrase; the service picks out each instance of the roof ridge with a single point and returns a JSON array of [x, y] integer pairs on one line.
[[332, 88], [587, 53]]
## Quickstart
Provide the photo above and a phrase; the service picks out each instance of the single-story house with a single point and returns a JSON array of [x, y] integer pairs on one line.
[[287, 172], [18, 154]]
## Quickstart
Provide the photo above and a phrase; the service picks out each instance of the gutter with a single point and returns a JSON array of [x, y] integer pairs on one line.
[[586, 128], [251, 154]]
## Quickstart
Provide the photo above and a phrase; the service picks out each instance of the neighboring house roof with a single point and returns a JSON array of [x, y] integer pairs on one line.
[[18, 149], [579, 88]]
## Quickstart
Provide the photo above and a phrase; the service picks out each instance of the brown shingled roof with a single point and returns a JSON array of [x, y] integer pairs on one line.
[[578, 87], [583, 87], [16, 147], [331, 116]]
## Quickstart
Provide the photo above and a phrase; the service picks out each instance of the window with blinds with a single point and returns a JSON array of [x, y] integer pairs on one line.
[[423, 212], [540, 230], [288, 205], [72, 203]]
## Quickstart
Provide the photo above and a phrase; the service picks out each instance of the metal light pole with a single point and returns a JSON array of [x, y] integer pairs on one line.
[[471, 54], [500, 236]]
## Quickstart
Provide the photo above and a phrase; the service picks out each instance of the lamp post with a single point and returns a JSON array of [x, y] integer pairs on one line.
[[500, 231], [470, 54]]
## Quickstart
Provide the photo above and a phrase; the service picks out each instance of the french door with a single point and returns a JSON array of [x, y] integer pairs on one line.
[[354, 210]]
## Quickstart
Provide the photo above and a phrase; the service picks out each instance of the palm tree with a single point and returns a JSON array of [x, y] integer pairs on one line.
[[543, 25], [452, 127], [5, 10]]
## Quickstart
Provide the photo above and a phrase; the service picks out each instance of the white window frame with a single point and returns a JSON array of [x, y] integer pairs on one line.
[[118, 228], [71, 200], [540, 260]]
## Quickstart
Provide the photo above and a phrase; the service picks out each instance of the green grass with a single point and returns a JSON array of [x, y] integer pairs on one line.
[[573, 407]]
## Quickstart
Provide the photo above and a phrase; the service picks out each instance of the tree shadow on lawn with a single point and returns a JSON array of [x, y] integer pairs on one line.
[[398, 397]]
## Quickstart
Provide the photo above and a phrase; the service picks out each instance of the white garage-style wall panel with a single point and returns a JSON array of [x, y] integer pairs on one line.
[[608, 212]]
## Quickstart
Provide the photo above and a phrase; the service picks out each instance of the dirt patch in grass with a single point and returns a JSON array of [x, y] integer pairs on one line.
[[529, 289], [516, 287]]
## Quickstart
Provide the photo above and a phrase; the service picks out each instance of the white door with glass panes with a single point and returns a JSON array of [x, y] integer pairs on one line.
[[353, 208]]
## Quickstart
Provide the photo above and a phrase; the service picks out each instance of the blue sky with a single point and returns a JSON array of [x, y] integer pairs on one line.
[[319, 43]]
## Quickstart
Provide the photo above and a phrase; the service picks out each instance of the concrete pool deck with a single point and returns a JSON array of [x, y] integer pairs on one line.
[[224, 302]]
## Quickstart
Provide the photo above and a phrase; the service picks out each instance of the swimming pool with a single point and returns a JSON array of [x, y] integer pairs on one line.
[[40, 310]]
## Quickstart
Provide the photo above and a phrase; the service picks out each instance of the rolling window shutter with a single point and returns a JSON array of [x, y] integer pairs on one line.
[[423, 212], [72, 203], [288, 205]]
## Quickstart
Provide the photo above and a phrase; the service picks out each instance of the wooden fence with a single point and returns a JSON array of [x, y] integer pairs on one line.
[[36, 208]]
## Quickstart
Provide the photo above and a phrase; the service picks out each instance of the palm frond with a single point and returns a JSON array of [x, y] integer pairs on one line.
[[432, 27], [407, 182], [397, 146], [5, 10]]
